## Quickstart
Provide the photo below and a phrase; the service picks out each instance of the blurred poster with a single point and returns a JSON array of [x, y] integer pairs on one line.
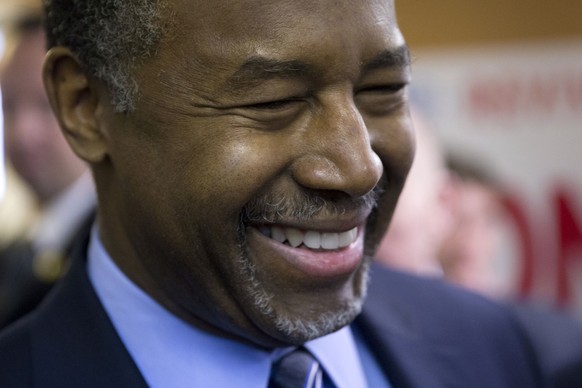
[[517, 110]]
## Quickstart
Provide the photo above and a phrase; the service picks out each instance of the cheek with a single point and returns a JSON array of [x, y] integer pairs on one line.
[[235, 170], [207, 167]]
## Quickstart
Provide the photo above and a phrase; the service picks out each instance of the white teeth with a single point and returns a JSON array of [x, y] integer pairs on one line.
[[330, 240], [345, 238], [313, 239], [294, 236]]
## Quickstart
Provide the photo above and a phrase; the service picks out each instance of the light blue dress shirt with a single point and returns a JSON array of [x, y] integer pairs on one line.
[[171, 353]]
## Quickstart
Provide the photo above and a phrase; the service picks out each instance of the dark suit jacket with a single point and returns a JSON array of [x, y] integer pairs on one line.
[[21, 289], [424, 334], [557, 339], [570, 376]]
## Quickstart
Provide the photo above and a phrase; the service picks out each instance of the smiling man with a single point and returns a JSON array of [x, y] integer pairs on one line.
[[248, 156]]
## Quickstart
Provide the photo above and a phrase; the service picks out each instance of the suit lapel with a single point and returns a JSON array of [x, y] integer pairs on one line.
[[395, 334], [73, 327]]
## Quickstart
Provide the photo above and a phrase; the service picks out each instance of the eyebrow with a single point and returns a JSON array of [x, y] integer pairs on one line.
[[398, 57], [258, 68]]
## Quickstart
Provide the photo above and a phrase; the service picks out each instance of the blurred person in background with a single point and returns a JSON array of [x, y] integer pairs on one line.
[[448, 224], [470, 253], [58, 180], [2, 168], [471, 257], [16, 204]]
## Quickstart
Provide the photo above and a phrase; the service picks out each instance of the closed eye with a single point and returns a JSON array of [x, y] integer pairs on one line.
[[274, 114], [387, 89], [274, 105], [381, 100]]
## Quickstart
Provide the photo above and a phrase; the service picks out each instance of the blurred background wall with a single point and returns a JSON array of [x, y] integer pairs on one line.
[[453, 23], [500, 82]]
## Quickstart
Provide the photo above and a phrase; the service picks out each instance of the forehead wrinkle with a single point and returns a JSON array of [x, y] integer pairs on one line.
[[259, 68]]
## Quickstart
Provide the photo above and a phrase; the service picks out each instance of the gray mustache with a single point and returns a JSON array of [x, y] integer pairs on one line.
[[304, 206]]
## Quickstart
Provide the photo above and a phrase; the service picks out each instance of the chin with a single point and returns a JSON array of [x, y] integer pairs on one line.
[[297, 331], [293, 293], [297, 324]]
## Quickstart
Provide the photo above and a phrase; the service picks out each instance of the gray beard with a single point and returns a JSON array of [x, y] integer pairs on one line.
[[300, 330], [304, 205]]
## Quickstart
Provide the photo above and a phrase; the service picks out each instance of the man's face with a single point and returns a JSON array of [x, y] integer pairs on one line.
[[34, 143], [240, 193]]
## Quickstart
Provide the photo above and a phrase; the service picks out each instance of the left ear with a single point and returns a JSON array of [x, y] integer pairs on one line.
[[75, 99]]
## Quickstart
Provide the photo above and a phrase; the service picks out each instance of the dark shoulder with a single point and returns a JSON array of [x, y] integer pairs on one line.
[[557, 339], [432, 296], [484, 335], [16, 355], [570, 376]]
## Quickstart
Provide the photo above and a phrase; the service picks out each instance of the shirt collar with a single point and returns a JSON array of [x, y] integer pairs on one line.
[[172, 353]]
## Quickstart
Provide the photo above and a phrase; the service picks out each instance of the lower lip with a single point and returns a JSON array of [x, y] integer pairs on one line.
[[317, 264]]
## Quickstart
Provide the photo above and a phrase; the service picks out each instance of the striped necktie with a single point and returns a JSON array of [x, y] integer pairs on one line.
[[298, 369]]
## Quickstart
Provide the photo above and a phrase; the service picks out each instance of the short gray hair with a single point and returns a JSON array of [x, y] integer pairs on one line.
[[110, 38]]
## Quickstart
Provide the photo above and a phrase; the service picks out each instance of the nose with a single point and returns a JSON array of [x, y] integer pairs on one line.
[[338, 154]]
